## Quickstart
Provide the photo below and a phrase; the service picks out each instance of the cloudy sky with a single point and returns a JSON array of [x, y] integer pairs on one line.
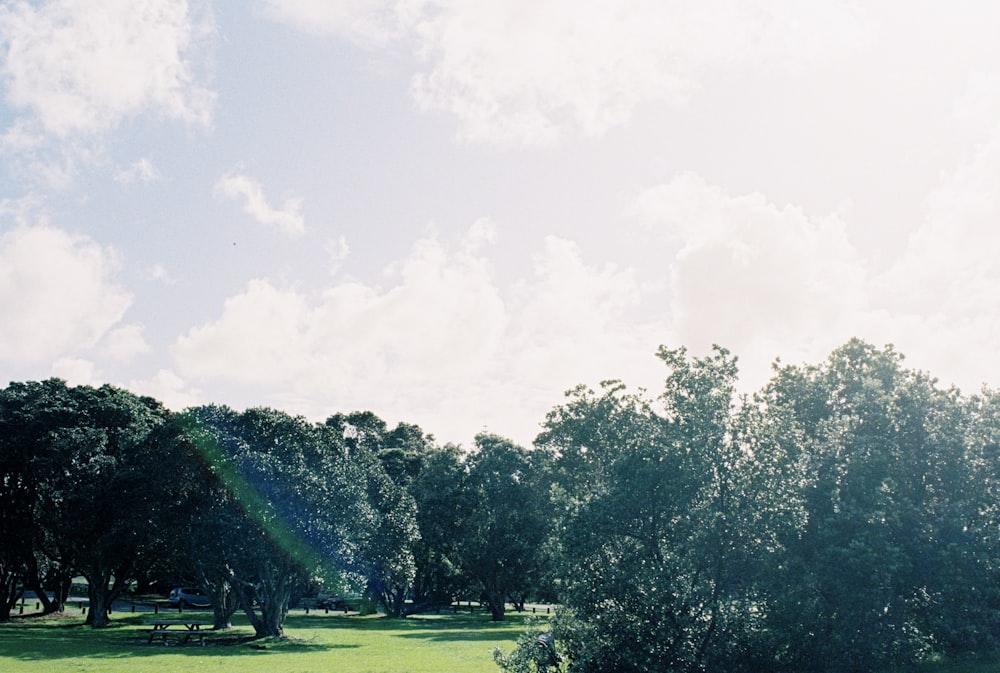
[[449, 212]]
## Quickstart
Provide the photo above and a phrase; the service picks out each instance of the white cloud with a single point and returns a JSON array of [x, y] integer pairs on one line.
[[142, 171], [943, 287], [161, 274], [124, 343], [82, 68], [167, 387], [77, 372], [237, 186], [444, 345], [526, 72], [759, 279], [57, 293], [577, 323], [769, 281], [337, 250], [441, 312], [371, 22]]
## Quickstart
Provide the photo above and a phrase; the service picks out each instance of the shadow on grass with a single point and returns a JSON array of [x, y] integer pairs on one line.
[[69, 639], [442, 628], [420, 621]]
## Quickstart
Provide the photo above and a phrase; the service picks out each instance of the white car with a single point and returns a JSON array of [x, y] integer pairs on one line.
[[184, 597]]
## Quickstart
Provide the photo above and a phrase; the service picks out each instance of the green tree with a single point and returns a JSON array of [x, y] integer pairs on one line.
[[970, 619], [31, 414], [670, 512], [443, 503], [503, 534], [94, 475], [888, 540], [22, 429], [296, 503], [109, 503], [386, 555]]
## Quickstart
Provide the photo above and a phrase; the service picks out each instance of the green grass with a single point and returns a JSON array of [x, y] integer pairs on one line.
[[315, 642]]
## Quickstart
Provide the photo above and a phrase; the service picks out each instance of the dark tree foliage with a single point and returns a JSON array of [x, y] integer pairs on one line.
[[90, 465], [27, 413], [290, 506], [669, 511], [443, 503], [388, 459], [888, 567], [504, 531]]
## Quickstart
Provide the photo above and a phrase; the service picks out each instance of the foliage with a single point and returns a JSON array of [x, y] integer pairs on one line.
[[669, 513], [87, 461], [528, 656], [888, 567], [443, 501], [844, 518], [503, 534], [385, 557], [293, 504]]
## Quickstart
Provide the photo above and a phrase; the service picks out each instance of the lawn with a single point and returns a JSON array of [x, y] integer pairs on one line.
[[314, 643]]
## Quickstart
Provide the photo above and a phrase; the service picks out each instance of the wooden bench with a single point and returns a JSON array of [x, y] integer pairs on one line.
[[182, 637], [191, 631]]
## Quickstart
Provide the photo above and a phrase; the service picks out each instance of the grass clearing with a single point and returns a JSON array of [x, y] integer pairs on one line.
[[315, 642]]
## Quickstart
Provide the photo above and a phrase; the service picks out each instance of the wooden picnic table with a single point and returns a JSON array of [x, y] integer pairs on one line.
[[191, 629]]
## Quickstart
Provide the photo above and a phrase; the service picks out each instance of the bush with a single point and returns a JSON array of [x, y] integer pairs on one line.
[[530, 654]]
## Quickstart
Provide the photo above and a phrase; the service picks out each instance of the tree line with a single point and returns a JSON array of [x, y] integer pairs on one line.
[[842, 518]]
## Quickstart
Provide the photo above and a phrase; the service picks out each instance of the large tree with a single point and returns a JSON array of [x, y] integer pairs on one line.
[[385, 555], [23, 426], [92, 469], [295, 504], [504, 531], [669, 511], [443, 503], [105, 511], [890, 543]]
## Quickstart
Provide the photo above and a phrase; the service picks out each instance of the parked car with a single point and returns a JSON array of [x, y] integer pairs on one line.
[[330, 602], [184, 597]]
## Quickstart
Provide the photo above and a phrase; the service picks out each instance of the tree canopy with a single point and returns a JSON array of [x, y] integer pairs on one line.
[[841, 518]]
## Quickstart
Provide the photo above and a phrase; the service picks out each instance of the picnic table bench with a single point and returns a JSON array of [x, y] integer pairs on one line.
[[191, 630]]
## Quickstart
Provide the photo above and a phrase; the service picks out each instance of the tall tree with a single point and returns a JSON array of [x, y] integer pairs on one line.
[[669, 511], [30, 414], [296, 503], [503, 534], [443, 502], [95, 467], [21, 432], [386, 555], [888, 520]]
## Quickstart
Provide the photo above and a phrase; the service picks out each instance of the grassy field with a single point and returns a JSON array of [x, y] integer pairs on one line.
[[315, 642]]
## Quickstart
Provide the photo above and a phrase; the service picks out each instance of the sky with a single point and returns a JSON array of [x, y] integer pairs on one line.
[[449, 212]]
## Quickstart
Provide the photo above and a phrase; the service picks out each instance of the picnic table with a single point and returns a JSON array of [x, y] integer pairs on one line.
[[188, 629]]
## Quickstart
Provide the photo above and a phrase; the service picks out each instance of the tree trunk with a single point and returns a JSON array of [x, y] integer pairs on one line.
[[60, 584], [273, 610], [97, 614], [102, 596], [10, 596], [225, 602], [393, 602], [497, 605], [60, 592]]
